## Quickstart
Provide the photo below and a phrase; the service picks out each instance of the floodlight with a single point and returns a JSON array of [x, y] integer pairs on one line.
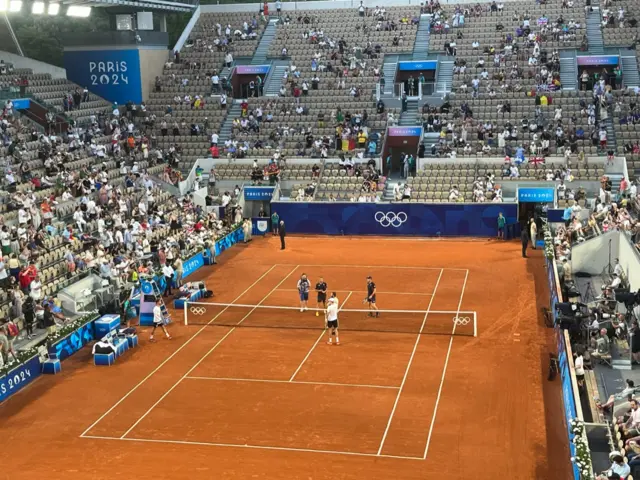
[[78, 11], [15, 6], [54, 8], [4, 5], [37, 8]]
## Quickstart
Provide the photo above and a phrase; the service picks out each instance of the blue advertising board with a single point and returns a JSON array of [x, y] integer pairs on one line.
[[404, 131], [535, 195], [567, 394], [394, 219], [21, 103], [598, 60], [555, 215], [73, 342], [191, 265], [229, 240], [413, 66], [258, 193], [252, 69], [111, 74], [19, 378], [553, 291]]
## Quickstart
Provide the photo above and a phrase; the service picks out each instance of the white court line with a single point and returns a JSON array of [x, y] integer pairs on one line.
[[270, 293], [255, 447], [297, 382], [177, 383], [376, 266], [317, 341], [196, 364], [406, 372], [444, 371], [364, 291], [173, 354]]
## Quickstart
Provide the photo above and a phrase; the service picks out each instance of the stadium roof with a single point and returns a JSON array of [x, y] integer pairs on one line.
[[158, 5]]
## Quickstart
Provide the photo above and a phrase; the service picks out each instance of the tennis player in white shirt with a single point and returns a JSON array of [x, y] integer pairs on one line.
[[331, 316]]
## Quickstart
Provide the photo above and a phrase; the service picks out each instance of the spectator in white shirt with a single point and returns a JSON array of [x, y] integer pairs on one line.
[[168, 272], [615, 281], [78, 217]]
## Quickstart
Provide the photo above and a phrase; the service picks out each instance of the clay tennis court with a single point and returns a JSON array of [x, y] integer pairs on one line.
[[254, 392]]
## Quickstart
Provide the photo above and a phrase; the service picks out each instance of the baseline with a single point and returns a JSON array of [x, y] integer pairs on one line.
[[404, 267], [254, 447], [301, 382]]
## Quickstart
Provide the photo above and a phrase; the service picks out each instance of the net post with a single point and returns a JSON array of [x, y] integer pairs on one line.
[[185, 308], [475, 324]]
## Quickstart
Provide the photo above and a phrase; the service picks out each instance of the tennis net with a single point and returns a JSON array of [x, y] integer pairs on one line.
[[434, 322]]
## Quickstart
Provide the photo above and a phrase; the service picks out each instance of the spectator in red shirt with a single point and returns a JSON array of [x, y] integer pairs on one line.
[[24, 279]]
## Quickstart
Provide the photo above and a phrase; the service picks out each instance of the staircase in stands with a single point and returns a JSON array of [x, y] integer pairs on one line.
[[260, 55], [421, 47]]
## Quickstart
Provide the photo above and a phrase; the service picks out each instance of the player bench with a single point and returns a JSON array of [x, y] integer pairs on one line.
[[122, 344]]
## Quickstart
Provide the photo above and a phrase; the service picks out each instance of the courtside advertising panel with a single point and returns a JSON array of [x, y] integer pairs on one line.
[[73, 342], [111, 74], [567, 395], [229, 240], [19, 378], [192, 264], [377, 219]]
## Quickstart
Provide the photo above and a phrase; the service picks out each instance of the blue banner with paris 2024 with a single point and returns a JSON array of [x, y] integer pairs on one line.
[[110, 74]]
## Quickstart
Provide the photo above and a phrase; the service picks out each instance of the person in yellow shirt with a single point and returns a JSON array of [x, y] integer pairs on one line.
[[362, 139]]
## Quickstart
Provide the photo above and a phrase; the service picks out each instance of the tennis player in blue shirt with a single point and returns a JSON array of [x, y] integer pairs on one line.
[[303, 291]]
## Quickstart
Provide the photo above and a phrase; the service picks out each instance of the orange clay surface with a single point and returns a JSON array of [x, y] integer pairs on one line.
[[268, 403]]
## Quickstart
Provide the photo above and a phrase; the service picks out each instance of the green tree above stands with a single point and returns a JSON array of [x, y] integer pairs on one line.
[[40, 36]]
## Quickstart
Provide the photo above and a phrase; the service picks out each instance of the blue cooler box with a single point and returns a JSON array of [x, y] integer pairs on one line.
[[51, 366], [106, 324]]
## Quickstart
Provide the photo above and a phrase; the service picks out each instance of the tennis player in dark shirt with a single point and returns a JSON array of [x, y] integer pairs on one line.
[[371, 297], [321, 290]]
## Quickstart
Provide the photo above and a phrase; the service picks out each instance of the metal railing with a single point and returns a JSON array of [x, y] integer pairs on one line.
[[122, 37]]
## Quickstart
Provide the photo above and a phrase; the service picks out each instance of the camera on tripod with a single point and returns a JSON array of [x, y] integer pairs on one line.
[[628, 298]]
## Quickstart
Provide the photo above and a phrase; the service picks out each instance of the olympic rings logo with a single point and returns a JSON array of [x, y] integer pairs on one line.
[[461, 320], [390, 219], [198, 310]]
